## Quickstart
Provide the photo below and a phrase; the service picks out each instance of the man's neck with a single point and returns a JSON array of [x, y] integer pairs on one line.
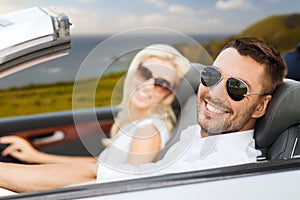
[[203, 133]]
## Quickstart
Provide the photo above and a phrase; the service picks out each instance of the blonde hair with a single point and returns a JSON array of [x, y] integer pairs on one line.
[[163, 52]]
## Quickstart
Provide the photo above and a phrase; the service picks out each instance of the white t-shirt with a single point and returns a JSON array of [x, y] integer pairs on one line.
[[190, 153], [117, 152]]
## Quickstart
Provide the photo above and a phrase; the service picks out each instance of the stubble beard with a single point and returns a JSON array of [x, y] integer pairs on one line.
[[226, 124]]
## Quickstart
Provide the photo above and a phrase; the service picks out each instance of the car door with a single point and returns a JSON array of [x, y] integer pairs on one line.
[[58, 133]]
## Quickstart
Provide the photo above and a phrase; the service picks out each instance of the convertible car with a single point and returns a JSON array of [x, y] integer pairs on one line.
[[79, 132]]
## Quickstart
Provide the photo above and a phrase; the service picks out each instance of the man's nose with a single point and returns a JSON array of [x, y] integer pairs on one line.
[[218, 92]]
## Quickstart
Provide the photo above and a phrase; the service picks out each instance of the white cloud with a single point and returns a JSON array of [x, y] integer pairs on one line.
[[187, 24], [235, 5], [132, 21], [154, 19], [129, 20], [87, 1], [10, 6], [157, 3], [173, 8], [179, 9]]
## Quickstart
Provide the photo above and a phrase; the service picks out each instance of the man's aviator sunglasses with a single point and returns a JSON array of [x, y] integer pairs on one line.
[[236, 88], [161, 85]]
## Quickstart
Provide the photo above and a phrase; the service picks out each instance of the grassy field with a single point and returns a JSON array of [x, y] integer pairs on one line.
[[45, 98]]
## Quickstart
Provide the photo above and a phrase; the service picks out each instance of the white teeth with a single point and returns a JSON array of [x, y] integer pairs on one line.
[[214, 110], [143, 94]]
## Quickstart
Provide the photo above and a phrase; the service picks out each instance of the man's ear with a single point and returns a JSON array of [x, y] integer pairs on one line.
[[262, 107]]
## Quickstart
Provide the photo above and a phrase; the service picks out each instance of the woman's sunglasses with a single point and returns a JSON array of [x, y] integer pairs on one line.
[[236, 88], [161, 85]]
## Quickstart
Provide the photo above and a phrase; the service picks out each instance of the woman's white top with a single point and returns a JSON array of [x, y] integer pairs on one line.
[[117, 151]]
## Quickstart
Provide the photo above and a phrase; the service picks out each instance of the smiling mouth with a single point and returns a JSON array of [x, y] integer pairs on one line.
[[213, 111], [142, 94]]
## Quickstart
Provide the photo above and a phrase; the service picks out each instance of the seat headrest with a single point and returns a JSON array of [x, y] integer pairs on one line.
[[191, 79], [190, 82], [283, 111], [188, 86]]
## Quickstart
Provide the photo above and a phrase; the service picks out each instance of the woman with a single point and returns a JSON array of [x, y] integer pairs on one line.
[[145, 121]]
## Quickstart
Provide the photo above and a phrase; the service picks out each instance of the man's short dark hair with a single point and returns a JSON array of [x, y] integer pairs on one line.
[[265, 54]]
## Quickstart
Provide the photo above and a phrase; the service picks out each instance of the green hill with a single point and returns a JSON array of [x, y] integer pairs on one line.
[[281, 31]]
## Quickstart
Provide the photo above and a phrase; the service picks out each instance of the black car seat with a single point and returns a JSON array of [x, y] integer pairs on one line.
[[278, 131]]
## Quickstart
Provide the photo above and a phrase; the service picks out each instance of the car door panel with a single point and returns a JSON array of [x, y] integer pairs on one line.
[[58, 133]]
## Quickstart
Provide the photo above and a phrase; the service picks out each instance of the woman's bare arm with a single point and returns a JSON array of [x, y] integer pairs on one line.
[[144, 146], [45, 158], [26, 178]]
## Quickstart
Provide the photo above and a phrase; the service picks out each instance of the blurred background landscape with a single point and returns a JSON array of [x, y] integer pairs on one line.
[[48, 87]]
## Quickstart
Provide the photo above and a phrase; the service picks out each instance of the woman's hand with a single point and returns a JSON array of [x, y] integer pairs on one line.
[[20, 149]]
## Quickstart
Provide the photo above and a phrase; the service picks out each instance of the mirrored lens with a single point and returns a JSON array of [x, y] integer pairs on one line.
[[236, 89], [210, 76]]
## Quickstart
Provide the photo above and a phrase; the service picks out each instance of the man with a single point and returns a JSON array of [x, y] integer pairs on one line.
[[234, 93]]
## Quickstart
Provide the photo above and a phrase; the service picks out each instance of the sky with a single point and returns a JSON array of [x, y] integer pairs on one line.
[[186, 16]]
